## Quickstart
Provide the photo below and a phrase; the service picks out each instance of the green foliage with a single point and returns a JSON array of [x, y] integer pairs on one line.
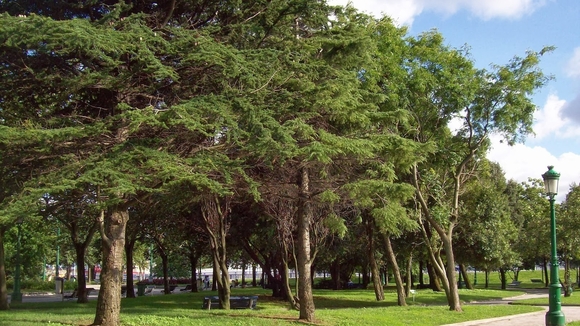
[[336, 225]]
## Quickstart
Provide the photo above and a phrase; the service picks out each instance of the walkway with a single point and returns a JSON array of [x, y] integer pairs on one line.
[[571, 313]]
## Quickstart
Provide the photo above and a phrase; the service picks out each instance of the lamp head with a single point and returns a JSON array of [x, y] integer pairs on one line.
[[551, 180]]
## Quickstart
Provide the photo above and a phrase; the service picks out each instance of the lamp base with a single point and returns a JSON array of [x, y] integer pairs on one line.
[[555, 318]]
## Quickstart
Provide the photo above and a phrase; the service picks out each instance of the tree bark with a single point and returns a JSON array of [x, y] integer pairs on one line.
[[463, 272], [545, 268], [306, 299], [244, 275], [129, 245], [215, 218], [254, 272], [503, 278], [193, 259], [396, 272], [434, 283], [165, 267], [377, 284], [409, 272], [335, 274], [286, 289], [3, 289], [80, 251], [113, 235]]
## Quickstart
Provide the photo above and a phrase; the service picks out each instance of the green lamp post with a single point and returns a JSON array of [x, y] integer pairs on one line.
[[16, 294], [554, 316]]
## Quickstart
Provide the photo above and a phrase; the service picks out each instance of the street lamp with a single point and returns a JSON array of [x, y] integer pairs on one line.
[[554, 316], [16, 294]]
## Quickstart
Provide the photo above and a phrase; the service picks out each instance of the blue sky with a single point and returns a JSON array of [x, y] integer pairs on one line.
[[496, 31]]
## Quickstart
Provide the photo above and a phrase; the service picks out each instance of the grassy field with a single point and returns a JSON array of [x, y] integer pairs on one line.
[[348, 307]]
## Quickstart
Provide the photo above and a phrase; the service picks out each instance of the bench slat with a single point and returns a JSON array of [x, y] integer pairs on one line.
[[246, 302]]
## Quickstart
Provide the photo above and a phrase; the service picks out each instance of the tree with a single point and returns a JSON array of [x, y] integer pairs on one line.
[[568, 240], [531, 215], [443, 85], [104, 121], [75, 211], [485, 239]]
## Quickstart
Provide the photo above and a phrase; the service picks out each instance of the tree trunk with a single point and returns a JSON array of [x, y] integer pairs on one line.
[[503, 278], [305, 297], [254, 275], [80, 250], [113, 236], [453, 293], [215, 217], [193, 258], [286, 289], [434, 283], [165, 267], [463, 272], [335, 274], [545, 268], [486, 278], [409, 281], [244, 275], [285, 286], [421, 281], [567, 286], [396, 272], [129, 245], [3, 289], [377, 284]]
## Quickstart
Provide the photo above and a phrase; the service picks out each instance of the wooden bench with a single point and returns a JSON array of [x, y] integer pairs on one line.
[[514, 283], [536, 280], [75, 294], [245, 302], [188, 287], [172, 287]]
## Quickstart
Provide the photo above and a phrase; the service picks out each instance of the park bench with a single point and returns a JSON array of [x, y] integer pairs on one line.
[[514, 283], [536, 280], [188, 287], [172, 288], [75, 294], [244, 302]]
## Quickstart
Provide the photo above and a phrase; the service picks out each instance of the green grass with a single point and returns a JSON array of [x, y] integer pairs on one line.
[[348, 307]]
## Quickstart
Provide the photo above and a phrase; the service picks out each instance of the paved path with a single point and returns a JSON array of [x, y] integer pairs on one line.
[[571, 313]]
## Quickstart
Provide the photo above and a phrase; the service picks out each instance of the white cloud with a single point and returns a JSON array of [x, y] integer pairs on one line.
[[573, 65], [551, 120], [548, 119], [521, 162], [404, 11]]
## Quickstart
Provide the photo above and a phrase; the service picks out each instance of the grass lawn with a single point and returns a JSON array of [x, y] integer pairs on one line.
[[347, 307]]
